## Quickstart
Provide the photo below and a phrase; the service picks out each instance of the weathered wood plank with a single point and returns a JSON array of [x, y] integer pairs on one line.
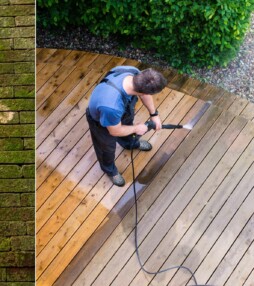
[[245, 266], [44, 75], [76, 78], [58, 56], [248, 111], [73, 57], [69, 101], [61, 151], [44, 55], [205, 192], [107, 226], [39, 66]]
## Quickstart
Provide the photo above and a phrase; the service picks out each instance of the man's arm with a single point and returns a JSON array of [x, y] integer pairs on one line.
[[120, 130], [147, 100]]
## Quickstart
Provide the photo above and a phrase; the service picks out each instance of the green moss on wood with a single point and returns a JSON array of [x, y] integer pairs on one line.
[[6, 68], [24, 91], [17, 157], [17, 213], [17, 10], [24, 67], [6, 44], [28, 171], [16, 104], [17, 79], [10, 228], [9, 200], [27, 117], [17, 56], [17, 185], [10, 171], [7, 22], [20, 274], [25, 20], [29, 143], [17, 32], [5, 244], [27, 200], [26, 130], [11, 144], [6, 92], [3, 274]]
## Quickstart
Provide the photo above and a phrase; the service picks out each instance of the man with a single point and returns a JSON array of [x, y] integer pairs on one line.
[[110, 113]]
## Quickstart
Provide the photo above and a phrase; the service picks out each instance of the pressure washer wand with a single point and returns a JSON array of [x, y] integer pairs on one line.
[[151, 125]]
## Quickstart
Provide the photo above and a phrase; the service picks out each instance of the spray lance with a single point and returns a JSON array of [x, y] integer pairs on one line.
[[151, 125]]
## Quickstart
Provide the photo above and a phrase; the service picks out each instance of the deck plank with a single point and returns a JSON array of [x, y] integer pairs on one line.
[[73, 58], [58, 56], [46, 87], [248, 111], [44, 55], [80, 89], [74, 80]]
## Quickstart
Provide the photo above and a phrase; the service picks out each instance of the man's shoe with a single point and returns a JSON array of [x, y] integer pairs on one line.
[[118, 180], [145, 146]]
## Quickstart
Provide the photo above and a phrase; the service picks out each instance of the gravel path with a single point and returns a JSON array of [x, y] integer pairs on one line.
[[237, 77]]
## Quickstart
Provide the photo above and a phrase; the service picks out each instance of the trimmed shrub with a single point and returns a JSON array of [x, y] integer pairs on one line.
[[184, 32]]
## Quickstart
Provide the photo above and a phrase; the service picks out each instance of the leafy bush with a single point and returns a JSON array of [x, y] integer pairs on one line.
[[185, 32]]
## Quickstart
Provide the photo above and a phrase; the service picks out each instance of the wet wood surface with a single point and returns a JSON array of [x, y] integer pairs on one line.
[[195, 187]]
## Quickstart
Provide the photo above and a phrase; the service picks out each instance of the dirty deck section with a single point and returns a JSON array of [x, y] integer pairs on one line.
[[195, 188]]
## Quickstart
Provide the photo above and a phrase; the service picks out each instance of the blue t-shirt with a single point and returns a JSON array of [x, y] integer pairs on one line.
[[106, 104]]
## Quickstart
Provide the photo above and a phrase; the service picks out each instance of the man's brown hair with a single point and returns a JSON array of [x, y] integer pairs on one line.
[[149, 81]]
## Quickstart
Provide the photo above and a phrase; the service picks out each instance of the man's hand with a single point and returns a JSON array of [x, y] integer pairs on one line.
[[157, 121], [140, 129]]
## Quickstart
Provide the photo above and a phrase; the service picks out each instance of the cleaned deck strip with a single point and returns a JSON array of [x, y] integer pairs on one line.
[[195, 188]]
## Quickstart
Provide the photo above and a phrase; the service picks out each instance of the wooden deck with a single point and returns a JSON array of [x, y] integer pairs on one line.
[[195, 188]]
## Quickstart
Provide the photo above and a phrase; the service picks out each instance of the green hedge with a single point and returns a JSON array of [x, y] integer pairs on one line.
[[185, 32]]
